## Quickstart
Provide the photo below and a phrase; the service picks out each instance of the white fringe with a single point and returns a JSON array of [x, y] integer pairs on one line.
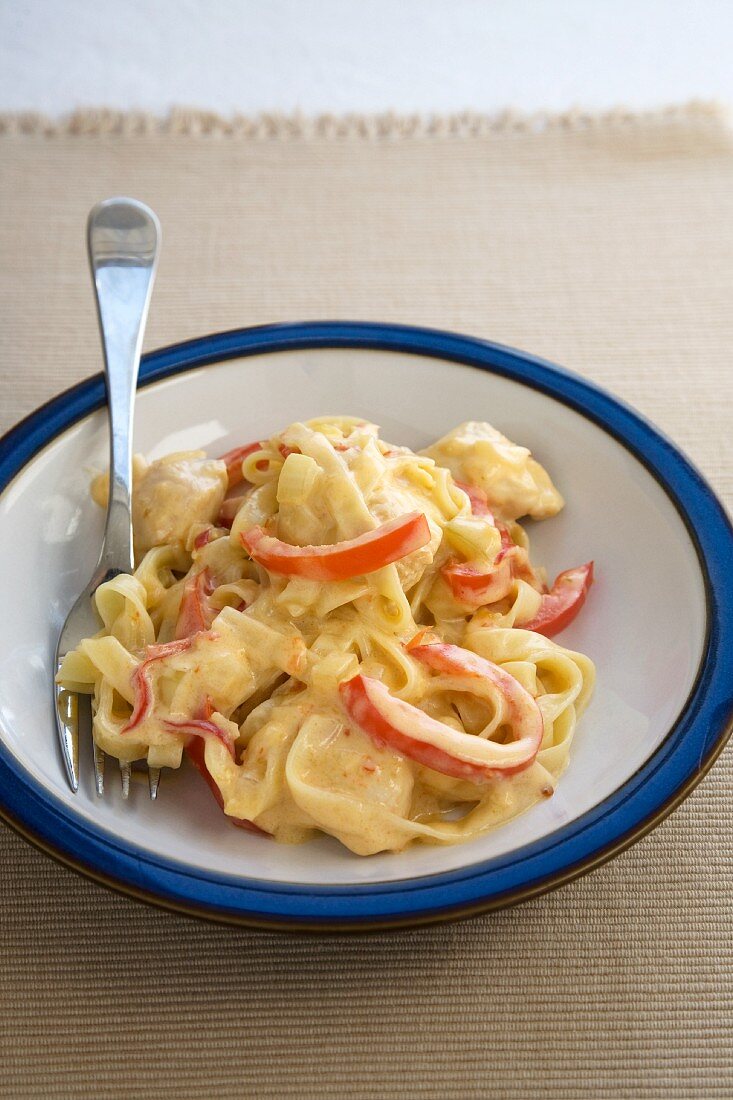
[[190, 122]]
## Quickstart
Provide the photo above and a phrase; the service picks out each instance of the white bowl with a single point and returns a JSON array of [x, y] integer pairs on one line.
[[653, 623]]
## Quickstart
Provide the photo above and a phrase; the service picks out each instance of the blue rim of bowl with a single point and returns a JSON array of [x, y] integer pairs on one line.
[[687, 752]]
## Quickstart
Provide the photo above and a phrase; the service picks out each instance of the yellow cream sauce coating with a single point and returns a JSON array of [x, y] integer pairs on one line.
[[264, 670]]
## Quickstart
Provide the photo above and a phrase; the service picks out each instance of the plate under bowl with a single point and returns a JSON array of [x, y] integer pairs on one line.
[[658, 623]]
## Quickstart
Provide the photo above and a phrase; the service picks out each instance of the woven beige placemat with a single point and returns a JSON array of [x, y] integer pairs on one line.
[[603, 243]]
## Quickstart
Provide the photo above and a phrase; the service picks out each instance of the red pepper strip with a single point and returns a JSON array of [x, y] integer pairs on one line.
[[143, 697], [421, 638], [391, 721], [199, 727], [341, 560], [202, 538], [474, 587], [525, 716], [196, 753], [228, 511], [507, 542], [234, 459], [563, 602], [195, 614], [479, 500]]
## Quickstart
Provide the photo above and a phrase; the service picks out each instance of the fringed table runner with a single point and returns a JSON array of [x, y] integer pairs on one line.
[[603, 243]]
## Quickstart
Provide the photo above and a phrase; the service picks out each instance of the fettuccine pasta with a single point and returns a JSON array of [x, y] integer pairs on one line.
[[342, 635]]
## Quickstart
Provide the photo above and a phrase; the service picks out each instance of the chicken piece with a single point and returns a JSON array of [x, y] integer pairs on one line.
[[515, 484], [169, 495]]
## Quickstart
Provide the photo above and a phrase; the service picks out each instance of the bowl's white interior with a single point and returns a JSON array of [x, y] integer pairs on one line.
[[643, 624]]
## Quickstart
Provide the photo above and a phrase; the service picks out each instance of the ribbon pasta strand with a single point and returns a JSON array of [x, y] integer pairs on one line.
[[310, 696]]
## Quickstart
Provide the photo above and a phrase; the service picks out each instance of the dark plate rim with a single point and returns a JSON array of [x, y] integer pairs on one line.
[[687, 752]]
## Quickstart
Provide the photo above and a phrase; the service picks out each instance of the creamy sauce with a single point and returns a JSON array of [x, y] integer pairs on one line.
[[204, 641]]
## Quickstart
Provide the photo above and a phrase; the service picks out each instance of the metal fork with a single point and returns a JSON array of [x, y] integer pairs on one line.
[[123, 240]]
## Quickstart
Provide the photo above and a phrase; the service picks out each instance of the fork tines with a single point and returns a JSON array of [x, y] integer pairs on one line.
[[125, 775]]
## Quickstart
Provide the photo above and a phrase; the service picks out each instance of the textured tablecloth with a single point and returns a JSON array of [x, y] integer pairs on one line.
[[604, 244]]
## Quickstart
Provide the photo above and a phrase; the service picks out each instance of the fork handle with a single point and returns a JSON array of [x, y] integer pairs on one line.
[[123, 238]]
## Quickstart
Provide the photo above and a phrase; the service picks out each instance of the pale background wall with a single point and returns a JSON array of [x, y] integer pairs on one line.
[[364, 55]]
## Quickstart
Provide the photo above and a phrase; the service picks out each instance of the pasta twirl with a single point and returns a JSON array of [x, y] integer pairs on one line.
[[348, 637]]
